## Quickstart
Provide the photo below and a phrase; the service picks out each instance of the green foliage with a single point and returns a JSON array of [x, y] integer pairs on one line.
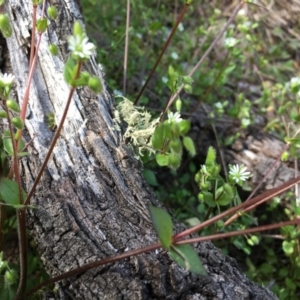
[[42, 25], [5, 26], [184, 255], [163, 225], [13, 105], [52, 12], [53, 49], [215, 191], [187, 258], [9, 192], [7, 144], [251, 61]]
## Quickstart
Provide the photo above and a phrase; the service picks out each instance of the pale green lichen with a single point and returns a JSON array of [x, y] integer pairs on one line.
[[140, 128]]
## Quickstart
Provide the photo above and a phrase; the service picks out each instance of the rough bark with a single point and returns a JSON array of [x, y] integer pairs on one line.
[[92, 201]]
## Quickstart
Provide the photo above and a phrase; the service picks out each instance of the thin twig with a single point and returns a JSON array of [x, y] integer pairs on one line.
[[213, 44], [126, 47], [91, 266], [238, 232], [259, 199], [186, 5]]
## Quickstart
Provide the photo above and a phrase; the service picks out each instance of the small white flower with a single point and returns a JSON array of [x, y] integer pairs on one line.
[[239, 173], [295, 82], [6, 79], [180, 27], [230, 42], [174, 117], [80, 47], [242, 12], [174, 55], [164, 79]]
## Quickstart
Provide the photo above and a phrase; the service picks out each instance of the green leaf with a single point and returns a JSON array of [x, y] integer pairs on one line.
[[290, 283], [155, 26], [184, 126], [7, 291], [150, 177], [17, 122], [228, 189], [176, 146], [186, 257], [13, 105], [174, 161], [189, 145], [211, 156], [288, 247], [162, 159], [42, 25], [208, 198], [171, 71], [9, 191], [17, 206], [4, 164], [223, 198], [158, 136], [7, 142], [69, 71], [163, 225]]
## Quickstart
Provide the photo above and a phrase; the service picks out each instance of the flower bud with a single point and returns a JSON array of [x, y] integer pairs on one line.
[[95, 84], [77, 29], [52, 12], [17, 122], [13, 105], [37, 2], [3, 114], [178, 105], [10, 276], [41, 25], [53, 49]]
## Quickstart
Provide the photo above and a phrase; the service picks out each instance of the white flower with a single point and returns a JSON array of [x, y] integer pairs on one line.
[[180, 27], [6, 79], [242, 12], [80, 47], [295, 81], [239, 173], [174, 55], [174, 117], [230, 42]]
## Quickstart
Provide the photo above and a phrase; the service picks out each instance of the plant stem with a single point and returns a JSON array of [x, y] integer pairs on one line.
[[256, 200], [126, 47], [23, 253], [213, 44], [33, 30], [285, 148], [93, 265], [186, 5], [20, 213], [238, 232]]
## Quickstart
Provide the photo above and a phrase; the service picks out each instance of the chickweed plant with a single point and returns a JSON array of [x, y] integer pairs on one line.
[[163, 139]]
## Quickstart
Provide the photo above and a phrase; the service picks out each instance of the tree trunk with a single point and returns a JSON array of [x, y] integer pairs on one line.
[[92, 200]]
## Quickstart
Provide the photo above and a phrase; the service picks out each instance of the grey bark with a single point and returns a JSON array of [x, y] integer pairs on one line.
[[92, 201]]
